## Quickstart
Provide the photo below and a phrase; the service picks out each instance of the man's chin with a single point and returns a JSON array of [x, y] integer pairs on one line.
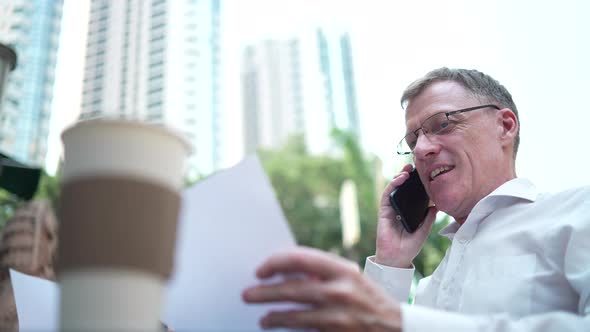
[[446, 202]]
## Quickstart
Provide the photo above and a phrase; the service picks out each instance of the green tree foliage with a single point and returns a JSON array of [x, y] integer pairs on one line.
[[308, 190], [434, 249], [8, 204], [48, 189], [361, 169]]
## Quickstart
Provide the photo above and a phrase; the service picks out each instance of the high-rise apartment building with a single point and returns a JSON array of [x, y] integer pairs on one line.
[[32, 29], [272, 94], [304, 85], [158, 61], [336, 66]]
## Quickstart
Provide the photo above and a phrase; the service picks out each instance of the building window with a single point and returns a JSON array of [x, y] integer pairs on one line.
[[155, 103]]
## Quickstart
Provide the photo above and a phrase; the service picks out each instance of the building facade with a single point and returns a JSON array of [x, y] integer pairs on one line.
[[158, 61], [272, 94], [32, 29], [302, 86]]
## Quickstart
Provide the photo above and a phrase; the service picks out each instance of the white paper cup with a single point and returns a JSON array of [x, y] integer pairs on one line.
[[118, 211]]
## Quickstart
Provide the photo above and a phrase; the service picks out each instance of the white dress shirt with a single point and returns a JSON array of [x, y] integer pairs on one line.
[[520, 262]]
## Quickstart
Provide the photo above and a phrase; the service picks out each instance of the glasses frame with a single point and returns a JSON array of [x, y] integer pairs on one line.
[[447, 114]]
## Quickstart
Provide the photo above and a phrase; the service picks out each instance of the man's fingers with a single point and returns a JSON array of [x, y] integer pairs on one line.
[[308, 261], [347, 292], [296, 290], [397, 180], [325, 319], [408, 168]]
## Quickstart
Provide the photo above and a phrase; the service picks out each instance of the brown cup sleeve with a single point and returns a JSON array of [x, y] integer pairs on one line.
[[117, 222]]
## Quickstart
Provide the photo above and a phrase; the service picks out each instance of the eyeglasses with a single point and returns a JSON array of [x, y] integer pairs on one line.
[[437, 124]]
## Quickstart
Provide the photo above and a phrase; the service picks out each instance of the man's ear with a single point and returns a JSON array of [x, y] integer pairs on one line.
[[508, 126]]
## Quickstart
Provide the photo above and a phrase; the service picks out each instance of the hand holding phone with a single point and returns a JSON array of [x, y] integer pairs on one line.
[[410, 202]]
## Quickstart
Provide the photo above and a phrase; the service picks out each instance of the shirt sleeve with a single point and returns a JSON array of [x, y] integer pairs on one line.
[[419, 319], [396, 281]]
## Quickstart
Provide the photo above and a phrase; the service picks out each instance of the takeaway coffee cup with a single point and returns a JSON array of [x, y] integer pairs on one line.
[[118, 211]]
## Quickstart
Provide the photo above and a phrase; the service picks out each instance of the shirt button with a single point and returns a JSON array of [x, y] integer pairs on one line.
[[462, 240]]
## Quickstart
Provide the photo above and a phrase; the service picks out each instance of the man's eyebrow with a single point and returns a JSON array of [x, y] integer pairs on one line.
[[438, 111], [449, 110]]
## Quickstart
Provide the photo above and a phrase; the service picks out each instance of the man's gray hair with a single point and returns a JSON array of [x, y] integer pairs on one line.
[[483, 87]]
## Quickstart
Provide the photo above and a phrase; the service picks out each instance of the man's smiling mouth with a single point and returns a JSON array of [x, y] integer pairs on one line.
[[440, 170]]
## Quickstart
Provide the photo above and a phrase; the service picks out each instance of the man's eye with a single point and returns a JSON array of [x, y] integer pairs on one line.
[[443, 126]]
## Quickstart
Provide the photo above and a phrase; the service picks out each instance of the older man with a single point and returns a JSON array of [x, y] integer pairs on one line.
[[519, 260]]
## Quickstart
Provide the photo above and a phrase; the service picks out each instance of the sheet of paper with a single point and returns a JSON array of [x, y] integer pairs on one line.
[[229, 224], [37, 302]]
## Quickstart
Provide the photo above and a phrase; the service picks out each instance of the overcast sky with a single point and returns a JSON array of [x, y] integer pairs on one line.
[[538, 49]]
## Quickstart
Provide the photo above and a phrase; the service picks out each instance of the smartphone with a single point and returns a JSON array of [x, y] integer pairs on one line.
[[410, 202]]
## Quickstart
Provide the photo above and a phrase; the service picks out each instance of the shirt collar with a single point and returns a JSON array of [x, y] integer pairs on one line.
[[517, 188]]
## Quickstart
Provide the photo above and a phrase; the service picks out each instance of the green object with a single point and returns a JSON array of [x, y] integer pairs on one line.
[[17, 178]]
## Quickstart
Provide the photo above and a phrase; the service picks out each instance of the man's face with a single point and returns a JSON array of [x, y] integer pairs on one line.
[[469, 156]]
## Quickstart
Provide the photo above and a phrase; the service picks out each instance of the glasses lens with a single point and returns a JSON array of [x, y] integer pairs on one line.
[[406, 145], [436, 124]]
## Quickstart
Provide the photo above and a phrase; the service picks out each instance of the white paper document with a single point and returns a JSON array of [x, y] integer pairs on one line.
[[229, 224], [37, 302]]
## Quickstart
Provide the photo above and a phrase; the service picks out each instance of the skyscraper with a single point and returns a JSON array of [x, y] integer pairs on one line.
[[32, 29], [157, 61], [304, 85], [271, 81], [335, 58]]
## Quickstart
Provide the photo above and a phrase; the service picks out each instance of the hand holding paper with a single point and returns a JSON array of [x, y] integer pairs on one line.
[[338, 296]]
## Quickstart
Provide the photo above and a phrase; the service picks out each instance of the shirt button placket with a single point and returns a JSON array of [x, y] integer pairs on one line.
[[448, 287]]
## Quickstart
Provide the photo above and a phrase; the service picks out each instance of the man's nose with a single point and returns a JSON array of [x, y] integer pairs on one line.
[[425, 146]]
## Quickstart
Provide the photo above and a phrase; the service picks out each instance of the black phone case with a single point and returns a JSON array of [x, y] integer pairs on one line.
[[410, 202]]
